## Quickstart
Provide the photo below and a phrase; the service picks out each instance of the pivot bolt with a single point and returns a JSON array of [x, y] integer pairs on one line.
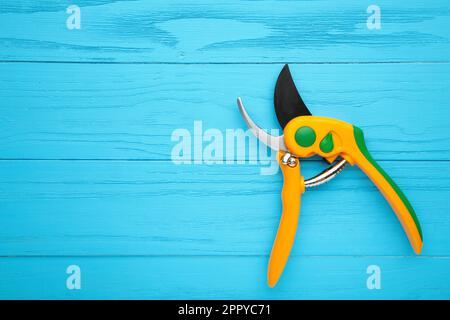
[[289, 159]]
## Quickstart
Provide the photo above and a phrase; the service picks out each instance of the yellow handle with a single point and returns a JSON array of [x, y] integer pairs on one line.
[[393, 194], [306, 136], [293, 187]]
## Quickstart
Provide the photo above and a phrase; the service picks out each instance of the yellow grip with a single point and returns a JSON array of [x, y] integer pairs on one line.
[[293, 187], [394, 196], [306, 136]]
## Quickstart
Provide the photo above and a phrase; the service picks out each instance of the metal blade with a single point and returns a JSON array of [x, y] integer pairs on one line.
[[274, 142], [287, 100]]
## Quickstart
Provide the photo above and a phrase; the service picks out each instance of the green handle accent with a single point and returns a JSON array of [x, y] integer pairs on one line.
[[326, 145], [359, 137]]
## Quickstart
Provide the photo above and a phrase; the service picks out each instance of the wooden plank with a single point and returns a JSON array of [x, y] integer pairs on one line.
[[225, 31], [157, 208], [223, 278], [68, 111]]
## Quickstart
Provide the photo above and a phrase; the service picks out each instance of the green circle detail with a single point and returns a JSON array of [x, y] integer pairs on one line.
[[305, 136]]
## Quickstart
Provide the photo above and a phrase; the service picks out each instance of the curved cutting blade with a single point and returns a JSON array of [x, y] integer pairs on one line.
[[287, 100], [274, 142]]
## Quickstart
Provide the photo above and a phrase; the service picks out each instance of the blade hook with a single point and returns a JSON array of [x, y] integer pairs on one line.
[[274, 142]]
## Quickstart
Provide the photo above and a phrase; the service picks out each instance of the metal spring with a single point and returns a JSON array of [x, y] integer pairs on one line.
[[326, 175]]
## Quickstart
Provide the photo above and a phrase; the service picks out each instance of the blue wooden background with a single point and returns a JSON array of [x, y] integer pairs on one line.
[[86, 118]]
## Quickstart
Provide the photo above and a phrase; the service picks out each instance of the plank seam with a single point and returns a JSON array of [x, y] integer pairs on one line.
[[222, 63], [223, 256], [169, 160]]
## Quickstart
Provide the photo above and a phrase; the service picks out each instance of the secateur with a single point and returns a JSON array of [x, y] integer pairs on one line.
[[339, 143]]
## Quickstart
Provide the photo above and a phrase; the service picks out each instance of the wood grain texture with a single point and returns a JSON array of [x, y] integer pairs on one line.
[[157, 208], [224, 31], [223, 278], [67, 111], [86, 118]]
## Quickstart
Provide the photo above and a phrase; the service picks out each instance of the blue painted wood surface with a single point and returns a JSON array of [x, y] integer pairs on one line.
[[60, 111], [86, 177], [225, 31]]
